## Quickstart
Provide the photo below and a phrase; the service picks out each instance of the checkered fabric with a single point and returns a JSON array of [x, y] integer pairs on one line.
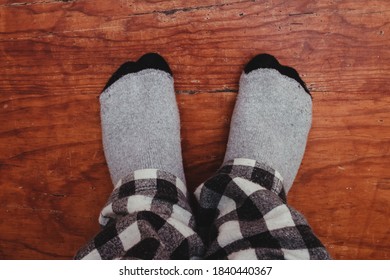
[[147, 217], [242, 214]]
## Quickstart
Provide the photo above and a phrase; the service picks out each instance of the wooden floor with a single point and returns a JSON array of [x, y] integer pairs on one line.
[[56, 56]]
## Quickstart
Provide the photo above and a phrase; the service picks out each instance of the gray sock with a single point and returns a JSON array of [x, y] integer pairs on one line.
[[140, 122], [272, 118]]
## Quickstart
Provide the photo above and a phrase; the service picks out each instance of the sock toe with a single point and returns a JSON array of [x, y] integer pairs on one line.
[[267, 61], [154, 61], [262, 61], [147, 61]]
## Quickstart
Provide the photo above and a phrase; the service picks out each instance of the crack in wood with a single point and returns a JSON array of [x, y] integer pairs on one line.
[[37, 2], [301, 14], [190, 92], [190, 9], [34, 209], [58, 195], [52, 147]]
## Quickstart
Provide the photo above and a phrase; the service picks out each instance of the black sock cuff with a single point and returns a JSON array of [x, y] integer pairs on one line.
[[267, 61], [147, 61]]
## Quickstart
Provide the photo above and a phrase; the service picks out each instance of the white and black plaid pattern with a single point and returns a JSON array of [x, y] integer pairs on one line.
[[242, 214], [146, 217], [241, 211]]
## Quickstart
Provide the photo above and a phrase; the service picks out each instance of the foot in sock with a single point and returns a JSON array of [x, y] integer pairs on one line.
[[272, 117], [140, 119]]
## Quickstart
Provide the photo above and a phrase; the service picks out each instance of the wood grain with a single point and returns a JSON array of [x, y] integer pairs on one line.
[[56, 57]]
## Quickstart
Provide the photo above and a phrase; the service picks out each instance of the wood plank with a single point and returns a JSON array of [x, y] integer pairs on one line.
[[326, 43], [57, 55], [69, 178], [135, 6]]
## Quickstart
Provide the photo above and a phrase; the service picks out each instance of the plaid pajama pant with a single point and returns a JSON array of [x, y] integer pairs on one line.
[[241, 214]]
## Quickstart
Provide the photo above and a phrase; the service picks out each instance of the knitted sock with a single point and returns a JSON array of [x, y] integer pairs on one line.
[[140, 119], [272, 117]]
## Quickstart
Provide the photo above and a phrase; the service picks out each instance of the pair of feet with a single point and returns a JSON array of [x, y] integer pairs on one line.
[[141, 125]]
